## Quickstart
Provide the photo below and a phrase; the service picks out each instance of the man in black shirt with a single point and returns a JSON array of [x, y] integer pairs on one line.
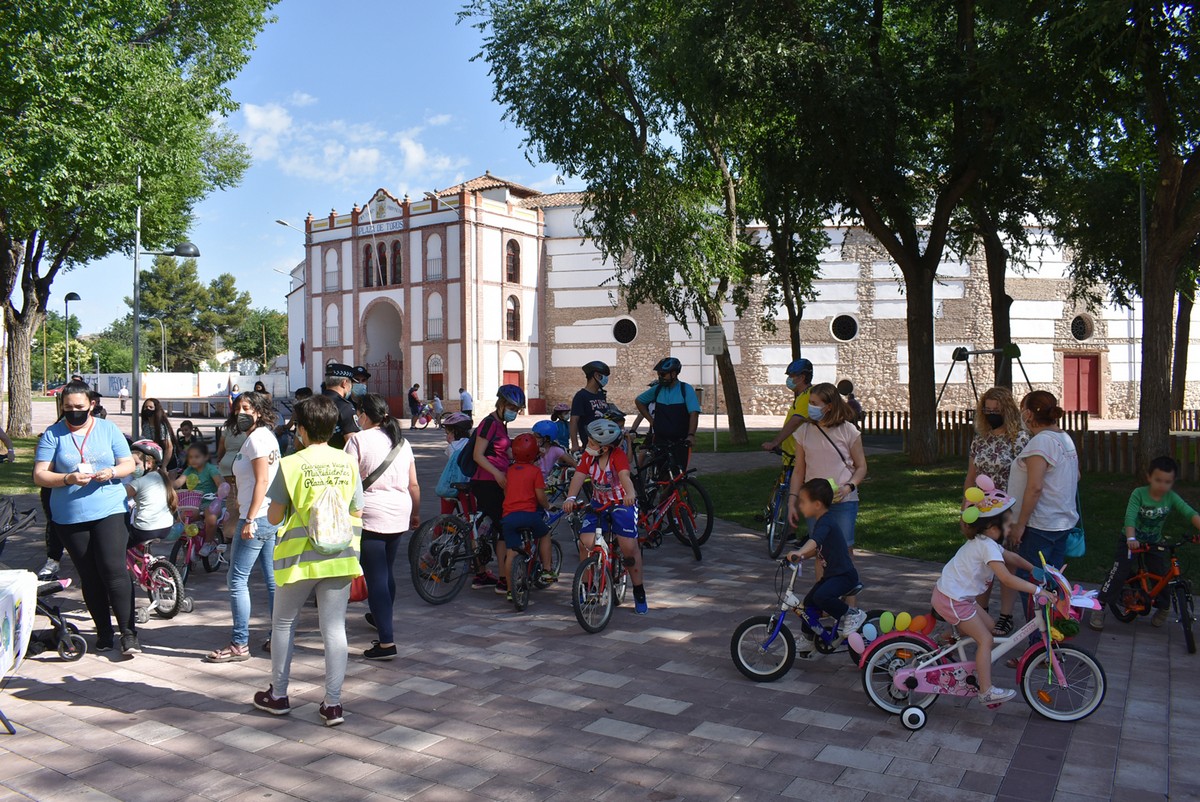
[[589, 403], [337, 388]]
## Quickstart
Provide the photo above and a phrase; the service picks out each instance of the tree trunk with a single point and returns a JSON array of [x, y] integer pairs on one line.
[[922, 436], [794, 307], [20, 349], [1183, 331], [1158, 296], [997, 265]]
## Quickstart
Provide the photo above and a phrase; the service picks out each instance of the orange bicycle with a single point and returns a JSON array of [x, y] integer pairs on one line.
[[1143, 587]]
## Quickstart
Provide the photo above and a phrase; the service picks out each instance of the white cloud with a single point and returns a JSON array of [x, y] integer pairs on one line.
[[301, 99], [346, 152]]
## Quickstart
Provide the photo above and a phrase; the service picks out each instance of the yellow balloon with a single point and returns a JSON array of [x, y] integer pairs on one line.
[[885, 623], [192, 481], [902, 622], [974, 495], [191, 530], [971, 514]]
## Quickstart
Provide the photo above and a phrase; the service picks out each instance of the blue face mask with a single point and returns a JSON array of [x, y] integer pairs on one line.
[[510, 415], [603, 380], [358, 388], [816, 413], [791, 382]]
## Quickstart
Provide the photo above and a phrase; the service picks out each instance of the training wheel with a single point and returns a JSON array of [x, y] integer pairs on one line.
[[187, 604], [142, 615], [913, 718]]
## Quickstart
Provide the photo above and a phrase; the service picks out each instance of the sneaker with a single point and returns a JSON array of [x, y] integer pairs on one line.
[[485, 580], [996, 695], [502, 586], [377, 652], [548, 577], [207, 549], [851, 621], [1160, 617], [331, 714], [266, 701], [48, 571], [640, 607], [103, 644], [1096, 620], [129, 643]]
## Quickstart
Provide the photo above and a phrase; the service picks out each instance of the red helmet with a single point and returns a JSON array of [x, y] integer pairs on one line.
[[525, 448]]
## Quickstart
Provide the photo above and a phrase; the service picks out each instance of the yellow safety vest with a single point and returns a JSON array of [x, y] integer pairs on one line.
[[305, 475]]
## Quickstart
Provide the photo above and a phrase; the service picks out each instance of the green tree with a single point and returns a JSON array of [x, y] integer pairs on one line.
[[261, 337], [49, 335], [92, 96]]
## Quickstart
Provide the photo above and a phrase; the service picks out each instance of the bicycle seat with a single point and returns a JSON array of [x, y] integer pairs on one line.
[[854, 591]]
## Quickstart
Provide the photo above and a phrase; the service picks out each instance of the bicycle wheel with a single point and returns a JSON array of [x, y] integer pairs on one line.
[[518, 581], [693, 494], [591, 598], [688, 528], [1133, 602], [556, 558], [179, 557], [439, 558], [754, 657], [1184, 607], [165, 588], [620, 580], [1078, 698], [882, 666], [778, 527], [213, 561]]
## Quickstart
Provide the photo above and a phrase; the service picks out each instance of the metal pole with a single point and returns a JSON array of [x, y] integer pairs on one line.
[[136, 390], [714, 404], [67, 336]]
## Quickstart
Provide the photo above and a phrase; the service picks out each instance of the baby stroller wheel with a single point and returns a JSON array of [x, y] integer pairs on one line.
[[72, 649]]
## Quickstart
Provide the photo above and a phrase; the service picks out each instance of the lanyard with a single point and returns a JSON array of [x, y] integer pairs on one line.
[[81, 446]]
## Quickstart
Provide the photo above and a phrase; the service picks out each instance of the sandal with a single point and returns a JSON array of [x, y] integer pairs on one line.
[[1004, 626], [228, 654]]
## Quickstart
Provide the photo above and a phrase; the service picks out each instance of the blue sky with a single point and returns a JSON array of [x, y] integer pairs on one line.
[[337, 100]]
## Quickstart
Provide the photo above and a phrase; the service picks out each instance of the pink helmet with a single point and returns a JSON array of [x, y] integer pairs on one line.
[[150, 448]]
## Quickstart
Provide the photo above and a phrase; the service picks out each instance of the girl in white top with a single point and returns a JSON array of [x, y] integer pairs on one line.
[[970, 572], [151, 490]]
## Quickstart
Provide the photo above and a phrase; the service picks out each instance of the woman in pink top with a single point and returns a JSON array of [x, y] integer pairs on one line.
[[390, 501], [829, 447]]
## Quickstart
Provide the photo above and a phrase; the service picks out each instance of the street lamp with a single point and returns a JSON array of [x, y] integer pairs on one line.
[[163, 329], [286, 224], [436, 200], [70, 296]]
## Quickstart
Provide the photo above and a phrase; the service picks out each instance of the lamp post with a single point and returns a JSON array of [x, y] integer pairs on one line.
[[70, 296], [163, 330], [184, 250]]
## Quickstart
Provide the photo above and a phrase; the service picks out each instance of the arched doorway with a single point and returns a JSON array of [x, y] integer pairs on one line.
[[513, 369], [382, 352], [435, 377]]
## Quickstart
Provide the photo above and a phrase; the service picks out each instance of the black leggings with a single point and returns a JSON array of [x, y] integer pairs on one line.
[[98, 550], [489, 499], [378, 553], [54, 546]]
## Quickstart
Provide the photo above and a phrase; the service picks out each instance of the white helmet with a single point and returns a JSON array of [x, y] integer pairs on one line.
[[604, 431]]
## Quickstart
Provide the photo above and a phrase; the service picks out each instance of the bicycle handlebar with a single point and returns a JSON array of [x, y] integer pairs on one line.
[[1145, 547]]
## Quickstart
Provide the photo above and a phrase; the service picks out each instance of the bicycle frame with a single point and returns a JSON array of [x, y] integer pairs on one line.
[[829, 636], [1143, 577]]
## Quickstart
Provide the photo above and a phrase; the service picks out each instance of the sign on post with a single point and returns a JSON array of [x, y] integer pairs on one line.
[[714, 340]]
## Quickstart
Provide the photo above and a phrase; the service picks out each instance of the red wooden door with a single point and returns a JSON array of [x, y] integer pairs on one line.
[[1081, 383], [516, 377]]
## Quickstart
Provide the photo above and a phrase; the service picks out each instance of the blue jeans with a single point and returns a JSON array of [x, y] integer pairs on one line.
[[1051, 545], [843, 516], [258, 549]]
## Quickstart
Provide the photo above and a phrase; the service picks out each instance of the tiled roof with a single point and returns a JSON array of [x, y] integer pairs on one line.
[[487, 181], [554, 199]]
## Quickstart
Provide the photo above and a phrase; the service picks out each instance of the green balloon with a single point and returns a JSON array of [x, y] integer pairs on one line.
[[885, 622], [971, 514]]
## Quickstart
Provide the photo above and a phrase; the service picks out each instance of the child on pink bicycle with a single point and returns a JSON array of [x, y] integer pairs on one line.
[[208, 482], [970, 572], [151, 491]]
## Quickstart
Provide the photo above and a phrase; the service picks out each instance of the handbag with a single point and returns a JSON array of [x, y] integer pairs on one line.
[[358, 588], [383, 466], [1076, 538]]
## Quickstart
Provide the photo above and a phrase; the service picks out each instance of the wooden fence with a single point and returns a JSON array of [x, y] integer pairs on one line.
[[1185, 420], [955, 427]]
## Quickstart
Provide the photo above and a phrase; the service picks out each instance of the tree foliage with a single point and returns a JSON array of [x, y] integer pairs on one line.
[[247, 340], [94, 93]]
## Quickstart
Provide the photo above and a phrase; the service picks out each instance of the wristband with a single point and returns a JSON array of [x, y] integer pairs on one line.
[[572, 498]]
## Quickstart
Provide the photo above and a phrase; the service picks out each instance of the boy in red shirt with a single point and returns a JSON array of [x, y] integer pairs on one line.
[[524, 501]]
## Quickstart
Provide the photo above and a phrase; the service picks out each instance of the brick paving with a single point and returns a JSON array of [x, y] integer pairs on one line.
[[485, 703]]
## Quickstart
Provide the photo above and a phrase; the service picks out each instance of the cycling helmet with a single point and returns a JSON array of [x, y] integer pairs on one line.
[[525, 448], [668, 365], [455, 418], [595, 366], [798, 366], [614, 413], [604, 431], [546, 428], [512, 394], [149, 448]]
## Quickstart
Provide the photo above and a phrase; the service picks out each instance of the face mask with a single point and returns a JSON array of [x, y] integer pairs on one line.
[[510, 415], [139, 471], [75, 417], [147, 413], [791, 382], [994, 420], [603, 380], [358, 389], [245, 422], [595, 452], [816, 413]]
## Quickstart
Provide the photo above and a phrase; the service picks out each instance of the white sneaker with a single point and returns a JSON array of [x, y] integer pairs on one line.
[[851, 621], [49, 570], [996, 695], [207, 549]]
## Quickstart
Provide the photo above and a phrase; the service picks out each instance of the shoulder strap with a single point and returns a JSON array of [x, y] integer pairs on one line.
[[383, 466], [824, 433]]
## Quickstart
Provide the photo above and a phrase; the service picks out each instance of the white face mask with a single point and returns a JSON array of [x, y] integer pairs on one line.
[[595, 452]]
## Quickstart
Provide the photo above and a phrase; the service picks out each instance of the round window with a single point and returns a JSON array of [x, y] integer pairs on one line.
[[1082, 328], [624, 331], [844, 328]]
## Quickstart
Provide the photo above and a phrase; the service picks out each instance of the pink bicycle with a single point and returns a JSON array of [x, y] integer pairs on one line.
[[161, 581], [191, 535]]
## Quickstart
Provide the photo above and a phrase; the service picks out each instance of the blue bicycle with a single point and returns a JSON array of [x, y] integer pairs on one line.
[[776, 514]]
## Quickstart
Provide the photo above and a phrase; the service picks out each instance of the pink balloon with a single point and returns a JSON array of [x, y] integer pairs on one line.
[[856, 642], [985, 483]]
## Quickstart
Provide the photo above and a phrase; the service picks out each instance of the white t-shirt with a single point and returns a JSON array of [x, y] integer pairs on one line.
[[387, 506], [968, 573], [1055, 510], [152, 511], [260, 443]]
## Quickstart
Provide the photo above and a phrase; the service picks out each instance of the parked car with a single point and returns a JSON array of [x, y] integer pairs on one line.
[[55, 388]]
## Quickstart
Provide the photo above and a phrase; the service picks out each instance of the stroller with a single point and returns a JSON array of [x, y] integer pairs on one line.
[[62, 636]]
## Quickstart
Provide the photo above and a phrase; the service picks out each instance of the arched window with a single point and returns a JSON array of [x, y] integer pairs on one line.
[[333, 275], [333, 331], [433, 258], [512, 262], [512, 318], [434, 324], [368, 279], [383, 274], [397, 262]]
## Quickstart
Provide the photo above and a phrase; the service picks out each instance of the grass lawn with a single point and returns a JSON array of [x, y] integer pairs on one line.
[[17, 477], [913, 512]]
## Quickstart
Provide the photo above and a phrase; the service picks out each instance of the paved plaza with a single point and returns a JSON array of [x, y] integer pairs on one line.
[[485, 703]]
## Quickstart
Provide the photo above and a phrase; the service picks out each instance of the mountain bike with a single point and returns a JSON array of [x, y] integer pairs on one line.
[[600, 581], [1144, 586], [445, 550], [670, 498]]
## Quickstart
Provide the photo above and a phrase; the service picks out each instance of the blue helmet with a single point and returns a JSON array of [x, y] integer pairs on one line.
[[546, 428], [512, 394], [668, 365], [798, 366]]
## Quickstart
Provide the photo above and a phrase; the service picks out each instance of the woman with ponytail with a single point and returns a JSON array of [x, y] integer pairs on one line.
[[391, 498], [1044, 481]]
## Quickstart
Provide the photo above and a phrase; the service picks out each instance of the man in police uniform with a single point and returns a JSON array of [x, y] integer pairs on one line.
[[337, 388], [358, 386]]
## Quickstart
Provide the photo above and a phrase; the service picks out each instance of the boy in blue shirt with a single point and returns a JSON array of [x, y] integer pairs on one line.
[[826, 543]]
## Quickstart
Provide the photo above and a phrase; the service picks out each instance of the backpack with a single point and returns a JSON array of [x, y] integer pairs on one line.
[[329, 528], [466, 457]]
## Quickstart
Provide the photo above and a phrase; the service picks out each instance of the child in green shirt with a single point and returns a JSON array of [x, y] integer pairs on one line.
[[208, 482], [1145, 516]]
